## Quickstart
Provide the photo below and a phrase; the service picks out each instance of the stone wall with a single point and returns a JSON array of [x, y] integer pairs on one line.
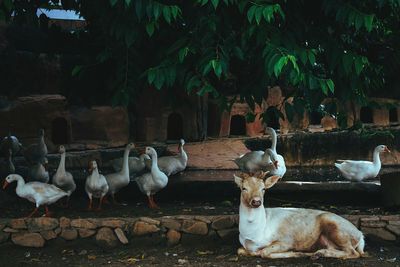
[[172, 230]]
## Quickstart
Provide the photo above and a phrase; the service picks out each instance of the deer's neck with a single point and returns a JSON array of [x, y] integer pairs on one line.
[[251, 221]]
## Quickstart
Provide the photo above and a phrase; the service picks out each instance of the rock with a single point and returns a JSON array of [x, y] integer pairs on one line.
[[379, 232], [10, 230], [143, 228], [121, 236], [149, 220], [48, 235], [84, 233], [34, 240], [18, 224], [373, 223], [4, 237], [173, 237], [171, 223], [394, 222], [83, 223], [203, 219], [395, 229], [390, 218], [57, 231], [223, 222], [69, 233], [195, 227], [113, 223], [42, 224], [2, 226], [106, 238], [65, 222]]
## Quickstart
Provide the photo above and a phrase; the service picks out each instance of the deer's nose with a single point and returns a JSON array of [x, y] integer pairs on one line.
[[255, 203]]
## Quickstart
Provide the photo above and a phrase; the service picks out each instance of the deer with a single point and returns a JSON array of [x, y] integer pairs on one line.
[[290, 232]]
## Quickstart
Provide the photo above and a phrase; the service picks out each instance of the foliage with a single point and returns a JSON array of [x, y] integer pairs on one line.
[[312, 49]]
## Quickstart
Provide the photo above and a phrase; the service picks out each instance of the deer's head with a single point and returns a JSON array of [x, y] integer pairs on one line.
[[253, 187]]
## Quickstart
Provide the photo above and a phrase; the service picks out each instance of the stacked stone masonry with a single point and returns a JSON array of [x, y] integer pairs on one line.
[[172, 230]]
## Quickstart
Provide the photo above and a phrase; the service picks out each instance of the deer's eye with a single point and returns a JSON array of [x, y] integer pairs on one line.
[[263, 189]]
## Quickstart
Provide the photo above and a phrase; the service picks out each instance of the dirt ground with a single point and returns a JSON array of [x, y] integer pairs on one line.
[[17, 207], [88, 254]]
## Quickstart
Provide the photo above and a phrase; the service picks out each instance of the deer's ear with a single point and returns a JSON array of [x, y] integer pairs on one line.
[[261, 174], [270, 181], [238, 180]]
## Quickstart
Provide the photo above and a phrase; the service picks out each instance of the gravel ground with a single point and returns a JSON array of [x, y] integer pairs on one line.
[[63, 253]]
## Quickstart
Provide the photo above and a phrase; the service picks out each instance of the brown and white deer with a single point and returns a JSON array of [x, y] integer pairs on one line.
[[291, 232]]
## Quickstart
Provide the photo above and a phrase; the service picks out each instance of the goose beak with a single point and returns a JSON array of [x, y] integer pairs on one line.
[[386, 149], [5, 184]]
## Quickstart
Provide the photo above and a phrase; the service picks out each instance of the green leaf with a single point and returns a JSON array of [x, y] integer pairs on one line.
[[347, 62], [312, 82], [250, 13], [303, 56], [156, 10], [138, 9], [151, 75], [311, 58], [216, 64], [268, 13], [207, 68], [167, 14], [250, 117], [331, 85], [128, 2], [159, 80], [258, 15], [368, 22], [76, 70], [113, 2], [323, 86], [175, 11], [279, 65], [150, 28], [238, 53], [359, 22], [215, 3], [183, 53], [271, 64], [358, 65]]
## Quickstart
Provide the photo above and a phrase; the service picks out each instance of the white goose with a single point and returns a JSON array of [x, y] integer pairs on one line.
[[63, 179], [171, 165], [117, 181], [256, 160], [136, 164], [152, 182], [41, 194], [96, 185], [277, 166], [358, 170]]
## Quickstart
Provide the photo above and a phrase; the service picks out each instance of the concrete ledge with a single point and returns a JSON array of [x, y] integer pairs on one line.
[[170, 230]]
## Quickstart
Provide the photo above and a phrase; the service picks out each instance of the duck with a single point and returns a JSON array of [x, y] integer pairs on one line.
[[63, 179], [36, 152], [10, 142], [277, 167], [359, 170], [117, 181], [152, 182], [39, 173], [171, 165], [96, 185], [136, 164], [41, 194]]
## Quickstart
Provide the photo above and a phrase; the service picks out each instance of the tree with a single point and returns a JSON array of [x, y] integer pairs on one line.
[[313, 49]]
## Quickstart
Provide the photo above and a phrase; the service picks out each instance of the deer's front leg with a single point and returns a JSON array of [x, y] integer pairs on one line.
[[244, 252], [275, 247]]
